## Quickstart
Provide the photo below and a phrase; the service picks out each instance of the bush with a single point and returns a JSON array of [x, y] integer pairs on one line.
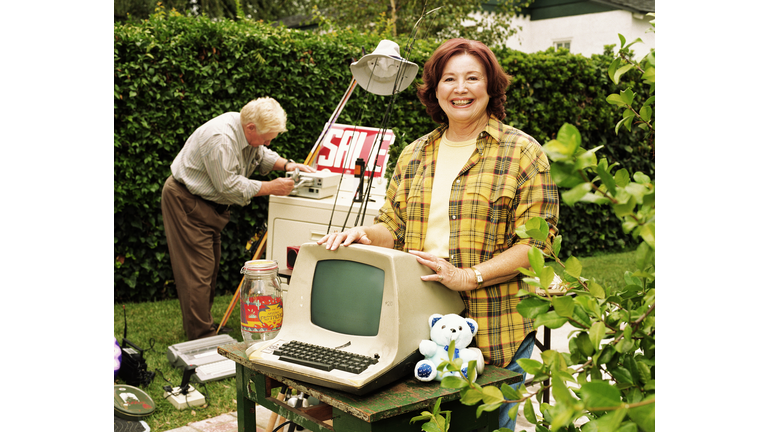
[[173, 73]]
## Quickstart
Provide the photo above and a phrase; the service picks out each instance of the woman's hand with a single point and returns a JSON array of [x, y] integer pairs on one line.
[[335, 239], [455, 279]]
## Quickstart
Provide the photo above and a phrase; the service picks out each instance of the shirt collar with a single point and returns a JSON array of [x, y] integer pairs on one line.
[[494, 128], [241, 141]]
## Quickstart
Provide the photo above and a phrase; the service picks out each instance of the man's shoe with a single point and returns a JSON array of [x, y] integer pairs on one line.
[[224, 329]]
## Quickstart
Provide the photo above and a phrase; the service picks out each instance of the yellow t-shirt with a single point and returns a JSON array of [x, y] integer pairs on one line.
[[451, 158]]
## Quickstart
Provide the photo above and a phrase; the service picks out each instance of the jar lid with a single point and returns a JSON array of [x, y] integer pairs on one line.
[[259, 266], [132, 403]]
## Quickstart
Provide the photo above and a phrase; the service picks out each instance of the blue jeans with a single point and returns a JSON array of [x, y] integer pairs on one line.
[[526, 348]]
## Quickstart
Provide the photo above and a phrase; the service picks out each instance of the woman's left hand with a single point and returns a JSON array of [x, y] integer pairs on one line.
[[455, 279]]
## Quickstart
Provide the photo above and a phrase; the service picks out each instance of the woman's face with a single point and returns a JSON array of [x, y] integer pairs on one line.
[[462, 90]]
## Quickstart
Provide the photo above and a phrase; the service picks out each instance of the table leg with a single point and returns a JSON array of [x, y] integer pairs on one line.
[[246, 408], [544, 347]]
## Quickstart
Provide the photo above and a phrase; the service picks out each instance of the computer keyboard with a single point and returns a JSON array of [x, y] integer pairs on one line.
[[323, 358], [216, 370]]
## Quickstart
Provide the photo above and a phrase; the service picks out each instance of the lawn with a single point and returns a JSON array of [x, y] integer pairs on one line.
[[156, 325]]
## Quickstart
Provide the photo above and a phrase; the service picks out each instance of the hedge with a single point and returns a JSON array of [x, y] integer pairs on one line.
[[173, 73]]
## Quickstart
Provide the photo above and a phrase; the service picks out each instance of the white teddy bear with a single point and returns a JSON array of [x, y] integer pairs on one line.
[[444, 329]]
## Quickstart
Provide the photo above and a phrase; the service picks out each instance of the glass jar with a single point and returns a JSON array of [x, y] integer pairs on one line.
[[261, 301]]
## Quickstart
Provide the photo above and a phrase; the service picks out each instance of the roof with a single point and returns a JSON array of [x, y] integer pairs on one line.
[[643, 6], [545, 9]]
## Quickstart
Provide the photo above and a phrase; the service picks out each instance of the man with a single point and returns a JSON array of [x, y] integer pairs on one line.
[[210, 174]]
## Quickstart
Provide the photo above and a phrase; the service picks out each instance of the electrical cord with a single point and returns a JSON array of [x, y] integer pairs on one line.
[[169, 389]]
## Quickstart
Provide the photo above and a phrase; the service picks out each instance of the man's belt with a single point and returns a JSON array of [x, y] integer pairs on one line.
[[220, 208]]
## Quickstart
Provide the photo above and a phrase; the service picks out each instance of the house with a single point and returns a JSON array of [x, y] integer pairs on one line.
[[583, 26]]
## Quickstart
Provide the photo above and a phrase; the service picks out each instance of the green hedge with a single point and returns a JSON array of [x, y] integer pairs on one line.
[[173, 73]]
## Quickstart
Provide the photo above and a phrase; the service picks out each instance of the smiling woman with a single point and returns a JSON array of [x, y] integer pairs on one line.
[[458, 194]]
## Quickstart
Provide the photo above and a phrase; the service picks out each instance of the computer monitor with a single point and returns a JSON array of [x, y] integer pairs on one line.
[[358, 299]]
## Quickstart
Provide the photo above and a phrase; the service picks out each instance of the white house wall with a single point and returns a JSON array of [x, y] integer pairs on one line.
[[588, 34]]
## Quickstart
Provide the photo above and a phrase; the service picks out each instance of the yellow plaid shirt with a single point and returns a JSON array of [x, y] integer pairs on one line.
[[505, 183]]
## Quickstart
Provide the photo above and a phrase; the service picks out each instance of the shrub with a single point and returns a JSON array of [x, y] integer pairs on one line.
[[173, 73]]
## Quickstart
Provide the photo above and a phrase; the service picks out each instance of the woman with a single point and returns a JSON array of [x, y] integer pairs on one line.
[[458, 193]]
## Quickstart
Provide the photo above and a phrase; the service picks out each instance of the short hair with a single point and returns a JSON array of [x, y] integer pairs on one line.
[[266, 114], [497, 79]]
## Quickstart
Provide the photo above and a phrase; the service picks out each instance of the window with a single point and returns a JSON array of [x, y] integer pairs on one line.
[[563, 44]]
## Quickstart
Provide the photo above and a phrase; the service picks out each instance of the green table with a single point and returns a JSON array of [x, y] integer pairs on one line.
[[387, 409]]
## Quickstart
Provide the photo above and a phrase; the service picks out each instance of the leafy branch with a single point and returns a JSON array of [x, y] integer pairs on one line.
[[606, 381]]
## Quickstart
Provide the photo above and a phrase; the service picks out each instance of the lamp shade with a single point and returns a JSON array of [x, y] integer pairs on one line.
[[377, 72]]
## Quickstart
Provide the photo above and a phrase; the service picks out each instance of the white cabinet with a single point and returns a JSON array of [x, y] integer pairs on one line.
[[297, 220]]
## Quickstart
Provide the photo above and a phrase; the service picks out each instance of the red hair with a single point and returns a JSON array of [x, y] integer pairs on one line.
[[497, 79]]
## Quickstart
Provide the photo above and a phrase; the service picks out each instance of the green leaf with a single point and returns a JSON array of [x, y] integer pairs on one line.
[[645, 113], [649, 76], [537, 228], [622, 177], [565, 175], [622, 375], [486, 407], [573, 266], [510, 393], [625, 209], [550, 319], [648, 233], [628, 96], [529, 413], [546, 276], [453, 382], [492, 395], [645, 415], [611, 421], [619, 72], [570, 197], [597, 334], [596, 289], [644, 256], [615, 99], [561, 393], [532, 307], [536, 259], [570, 135], [472, 396], [625, 121], [556, 245], [563, 306], [600, 394], [607, 180], [587, 159], [584, 345], [530, 366]]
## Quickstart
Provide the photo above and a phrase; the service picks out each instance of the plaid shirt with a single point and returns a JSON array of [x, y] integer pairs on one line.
[[505, 183]]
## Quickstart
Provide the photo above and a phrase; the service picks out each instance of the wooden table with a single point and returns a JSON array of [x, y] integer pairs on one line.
[[387, 409]]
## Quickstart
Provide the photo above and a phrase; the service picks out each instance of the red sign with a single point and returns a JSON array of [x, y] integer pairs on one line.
[[343, 144]]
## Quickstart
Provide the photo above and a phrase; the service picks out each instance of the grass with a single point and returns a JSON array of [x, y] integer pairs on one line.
[[606, 269], [157, 325], [154, 326]]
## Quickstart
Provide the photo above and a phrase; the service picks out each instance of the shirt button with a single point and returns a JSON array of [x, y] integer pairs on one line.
[[453, 217], [458, 181]]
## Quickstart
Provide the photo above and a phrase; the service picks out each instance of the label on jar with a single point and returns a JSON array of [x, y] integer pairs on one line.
[[262, 313]]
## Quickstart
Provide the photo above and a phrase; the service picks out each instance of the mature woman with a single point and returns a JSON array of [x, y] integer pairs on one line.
[[458, 193]]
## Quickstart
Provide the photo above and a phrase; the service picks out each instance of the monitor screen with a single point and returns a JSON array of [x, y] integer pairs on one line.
[[360, 302], [347, 297]]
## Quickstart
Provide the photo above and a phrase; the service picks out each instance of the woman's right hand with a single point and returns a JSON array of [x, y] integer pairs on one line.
[[335, 239]]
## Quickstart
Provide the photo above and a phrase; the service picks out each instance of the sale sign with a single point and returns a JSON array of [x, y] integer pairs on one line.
[[343, 144]]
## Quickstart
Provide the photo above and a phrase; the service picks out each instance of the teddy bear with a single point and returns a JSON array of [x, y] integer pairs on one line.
[[444, 329]]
